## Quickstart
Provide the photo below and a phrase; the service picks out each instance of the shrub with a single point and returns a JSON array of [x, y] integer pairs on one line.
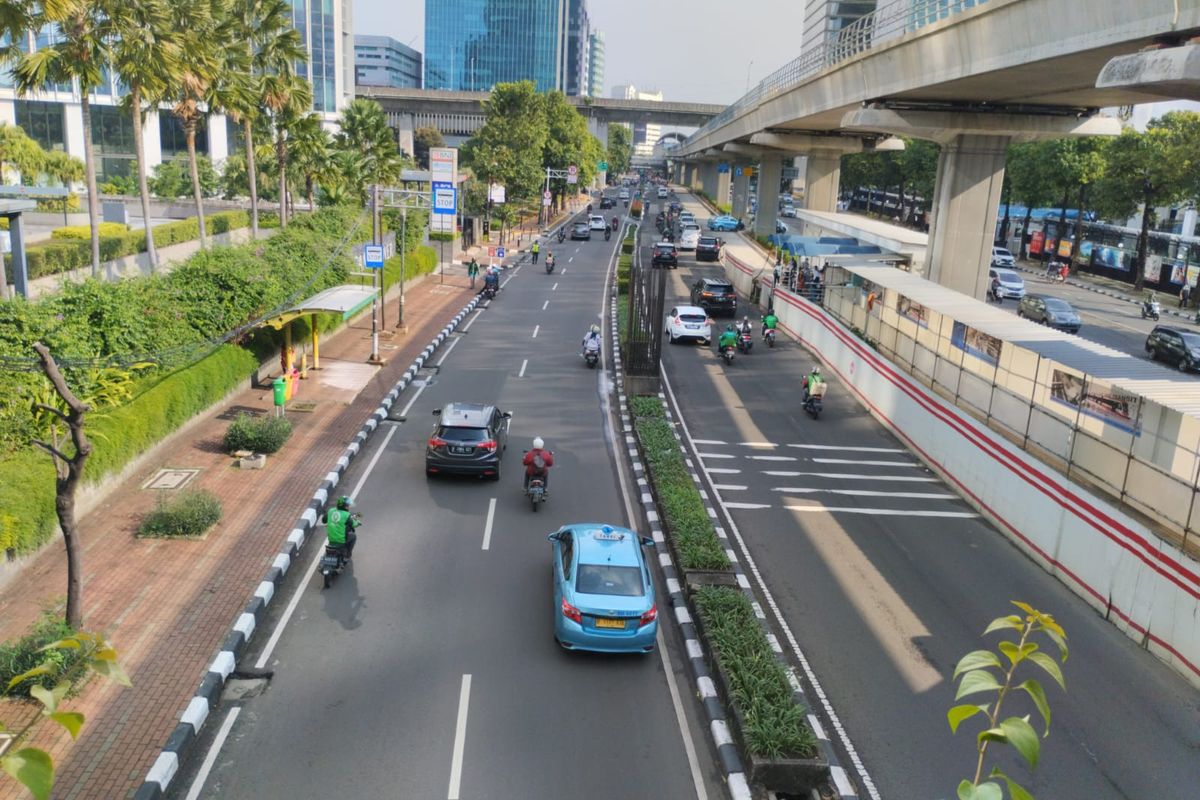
[[257, 434], [190, 513], [774, 724], [627, 247], [85, 231], [23, 654], [443, 237], [624, 266]]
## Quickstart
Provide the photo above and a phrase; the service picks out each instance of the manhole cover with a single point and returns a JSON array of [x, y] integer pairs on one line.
[[170, 478], [303, 405]]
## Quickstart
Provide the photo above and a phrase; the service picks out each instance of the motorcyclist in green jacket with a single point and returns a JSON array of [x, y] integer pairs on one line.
[[811, 380], [340, 525], [728, 338], [770, 322]]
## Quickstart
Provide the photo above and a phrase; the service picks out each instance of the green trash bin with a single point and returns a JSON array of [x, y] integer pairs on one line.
[[280, 387]]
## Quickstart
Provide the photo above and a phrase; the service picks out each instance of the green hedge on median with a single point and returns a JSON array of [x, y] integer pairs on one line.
[[687, 521], [775, 726]]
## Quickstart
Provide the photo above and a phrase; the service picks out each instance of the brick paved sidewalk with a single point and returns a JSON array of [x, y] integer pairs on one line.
[[166, 605]]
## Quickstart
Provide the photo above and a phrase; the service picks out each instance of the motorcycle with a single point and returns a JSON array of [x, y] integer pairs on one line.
[[607, 234], [535, 489], [994, 295], [615, 223], [727, 354], [562, 235], [769, 337], [549, 264], [814, 400], [1151, 308], [335, 558], [489, 292], [745, 342], [591, 355]]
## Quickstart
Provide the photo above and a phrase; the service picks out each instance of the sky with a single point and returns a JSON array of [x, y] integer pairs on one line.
[[691, 50]]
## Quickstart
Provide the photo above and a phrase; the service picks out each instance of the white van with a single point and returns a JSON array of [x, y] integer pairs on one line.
[[689, 237]]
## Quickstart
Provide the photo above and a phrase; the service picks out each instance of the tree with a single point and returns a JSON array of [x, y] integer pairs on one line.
[[1069, 165], [272, 47], [312, 155], [982, 671], [1157, 168], [508, 148], [568, 143], [83, 51], [365, 133], [172, 179], [147, 57], [19, 153], [287, 99], [619, 149], [423, 139], [1030, 182]]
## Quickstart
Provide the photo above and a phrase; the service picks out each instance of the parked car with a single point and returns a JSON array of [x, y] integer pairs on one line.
[[597, 222], [664, 254], [688, 322], [468, 439], [708, 248], [581, 230], [1177, 346], [715, 294], [603, 594], [1011, 284], [1002, 258], [689, 237], [1050, 311], [723, 223]]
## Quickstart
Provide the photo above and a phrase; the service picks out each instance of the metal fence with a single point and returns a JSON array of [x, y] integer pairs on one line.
[[647, 294], [889, 22]]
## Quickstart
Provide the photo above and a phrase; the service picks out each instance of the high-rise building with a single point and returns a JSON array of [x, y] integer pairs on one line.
[[824, 18], [327, 32], [645, 134], [575, 63], [595, 76], [383, 61], [474, 44]]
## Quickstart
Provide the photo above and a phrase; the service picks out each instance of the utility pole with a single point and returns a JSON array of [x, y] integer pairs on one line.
[[376, 278], [404, 199]]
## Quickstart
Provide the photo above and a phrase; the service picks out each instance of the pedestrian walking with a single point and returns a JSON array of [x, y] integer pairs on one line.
[[472, 270], [1185, 294]]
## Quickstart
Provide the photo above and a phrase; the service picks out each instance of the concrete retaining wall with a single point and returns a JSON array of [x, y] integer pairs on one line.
[[1141, 584]]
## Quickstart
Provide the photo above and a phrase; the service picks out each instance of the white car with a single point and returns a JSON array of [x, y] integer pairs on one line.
[[597, 223], [1002, 258], [788, 211], [689, 322], [663, 193], [623, 194], [687, 218], [1011, 284], [689, 237]]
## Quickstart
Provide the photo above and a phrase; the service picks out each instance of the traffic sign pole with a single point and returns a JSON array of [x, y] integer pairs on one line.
[[376, 278]]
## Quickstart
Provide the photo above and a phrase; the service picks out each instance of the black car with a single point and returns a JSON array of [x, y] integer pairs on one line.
[[469, 439], [1050, 311], [581, 230], [708, 248], [1176, 346], [664, 255], [715, 294], [606, 202]]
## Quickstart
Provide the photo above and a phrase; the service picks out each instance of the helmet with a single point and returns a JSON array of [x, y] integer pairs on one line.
[[538, 443], [816, 370], [595, 328], [729, 327], [343, 503]]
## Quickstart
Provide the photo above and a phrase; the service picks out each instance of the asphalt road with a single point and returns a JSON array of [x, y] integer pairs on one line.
[[451, 578], [886, 579]]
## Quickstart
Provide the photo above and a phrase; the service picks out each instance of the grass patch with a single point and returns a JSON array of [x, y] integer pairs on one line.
[[23, 654], [256, 434], [774, 723], [687, 520], [189, 513]]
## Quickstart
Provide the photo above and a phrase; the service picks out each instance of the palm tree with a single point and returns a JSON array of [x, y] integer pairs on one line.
[[272, 47], [83, 50], [365, 132], [147, 57], [311, 154], [287, 99]]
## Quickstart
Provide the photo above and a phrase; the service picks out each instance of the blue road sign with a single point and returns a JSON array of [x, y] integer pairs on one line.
[[499, 252], [373, 256], [722, 166], [445, 198]]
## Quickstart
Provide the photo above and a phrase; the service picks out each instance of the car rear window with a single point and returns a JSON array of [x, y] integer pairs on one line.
[[609, 579], [463, 434], [693, 317], [707, 241], [719, 288], [664, 248]]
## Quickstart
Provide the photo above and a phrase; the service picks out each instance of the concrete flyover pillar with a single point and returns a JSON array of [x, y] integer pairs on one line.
[[721, 190], [741, 189], [970, 175], [708, 178], [821, 175], [770, 173]]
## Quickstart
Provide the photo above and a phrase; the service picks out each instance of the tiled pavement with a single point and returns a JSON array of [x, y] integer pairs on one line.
[[166, 605]]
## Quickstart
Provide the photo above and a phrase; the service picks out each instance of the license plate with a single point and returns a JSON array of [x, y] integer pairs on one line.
[[610, 623], [329, 561], [693, 327], [461, 450]]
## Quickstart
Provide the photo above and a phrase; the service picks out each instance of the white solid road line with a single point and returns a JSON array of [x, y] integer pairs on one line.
[[460, 738], [413, 399], [883, 512], [487, 526], [524, 364], [715, 455], [536, 328], [747, 505], [847, 476], [866, 463], [545, 304], [211, 757], [773, 458], [865, 493], [555, 286], [758, 444], [707, 441], [449, 347], [472, 320], [716, 471], [730, 487], [311, 569], [848, 449]]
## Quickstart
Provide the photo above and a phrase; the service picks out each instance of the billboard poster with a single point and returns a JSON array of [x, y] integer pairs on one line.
[[1153, 267], [1036, 240], [1184, 272], [1097, 399], [913, 310], [979, 344], [1110, 257]]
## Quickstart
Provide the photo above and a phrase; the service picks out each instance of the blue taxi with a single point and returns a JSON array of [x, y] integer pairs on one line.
[[723, 223], [603, 594]]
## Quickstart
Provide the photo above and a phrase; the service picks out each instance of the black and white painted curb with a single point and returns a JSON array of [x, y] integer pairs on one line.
[[1107, 292], [730, 760], [169, 759]]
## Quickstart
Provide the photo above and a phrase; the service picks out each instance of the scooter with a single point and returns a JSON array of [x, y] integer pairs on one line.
[[814, 400], [727, 354], [769, 337], [562, 235], [607, 234], [745, 341], [591, 356], [336, 557], [1151, 308], [535, 490], [549, 265], [994, 295], [489, 291]]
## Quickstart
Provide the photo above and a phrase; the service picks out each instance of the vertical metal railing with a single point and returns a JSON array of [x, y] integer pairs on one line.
[[647, 294]]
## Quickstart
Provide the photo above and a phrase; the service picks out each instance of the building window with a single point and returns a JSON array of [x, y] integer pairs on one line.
[[42, 122], [174, 141], [112, 138]]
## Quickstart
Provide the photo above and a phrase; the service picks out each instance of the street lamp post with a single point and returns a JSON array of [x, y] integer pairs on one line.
[[404, 199]]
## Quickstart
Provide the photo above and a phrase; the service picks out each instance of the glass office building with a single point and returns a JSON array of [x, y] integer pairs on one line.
[[383, 61], [595, 76], [475, 44]]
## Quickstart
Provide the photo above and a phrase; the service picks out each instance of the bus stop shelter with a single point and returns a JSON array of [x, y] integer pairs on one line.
[[345, 300]]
